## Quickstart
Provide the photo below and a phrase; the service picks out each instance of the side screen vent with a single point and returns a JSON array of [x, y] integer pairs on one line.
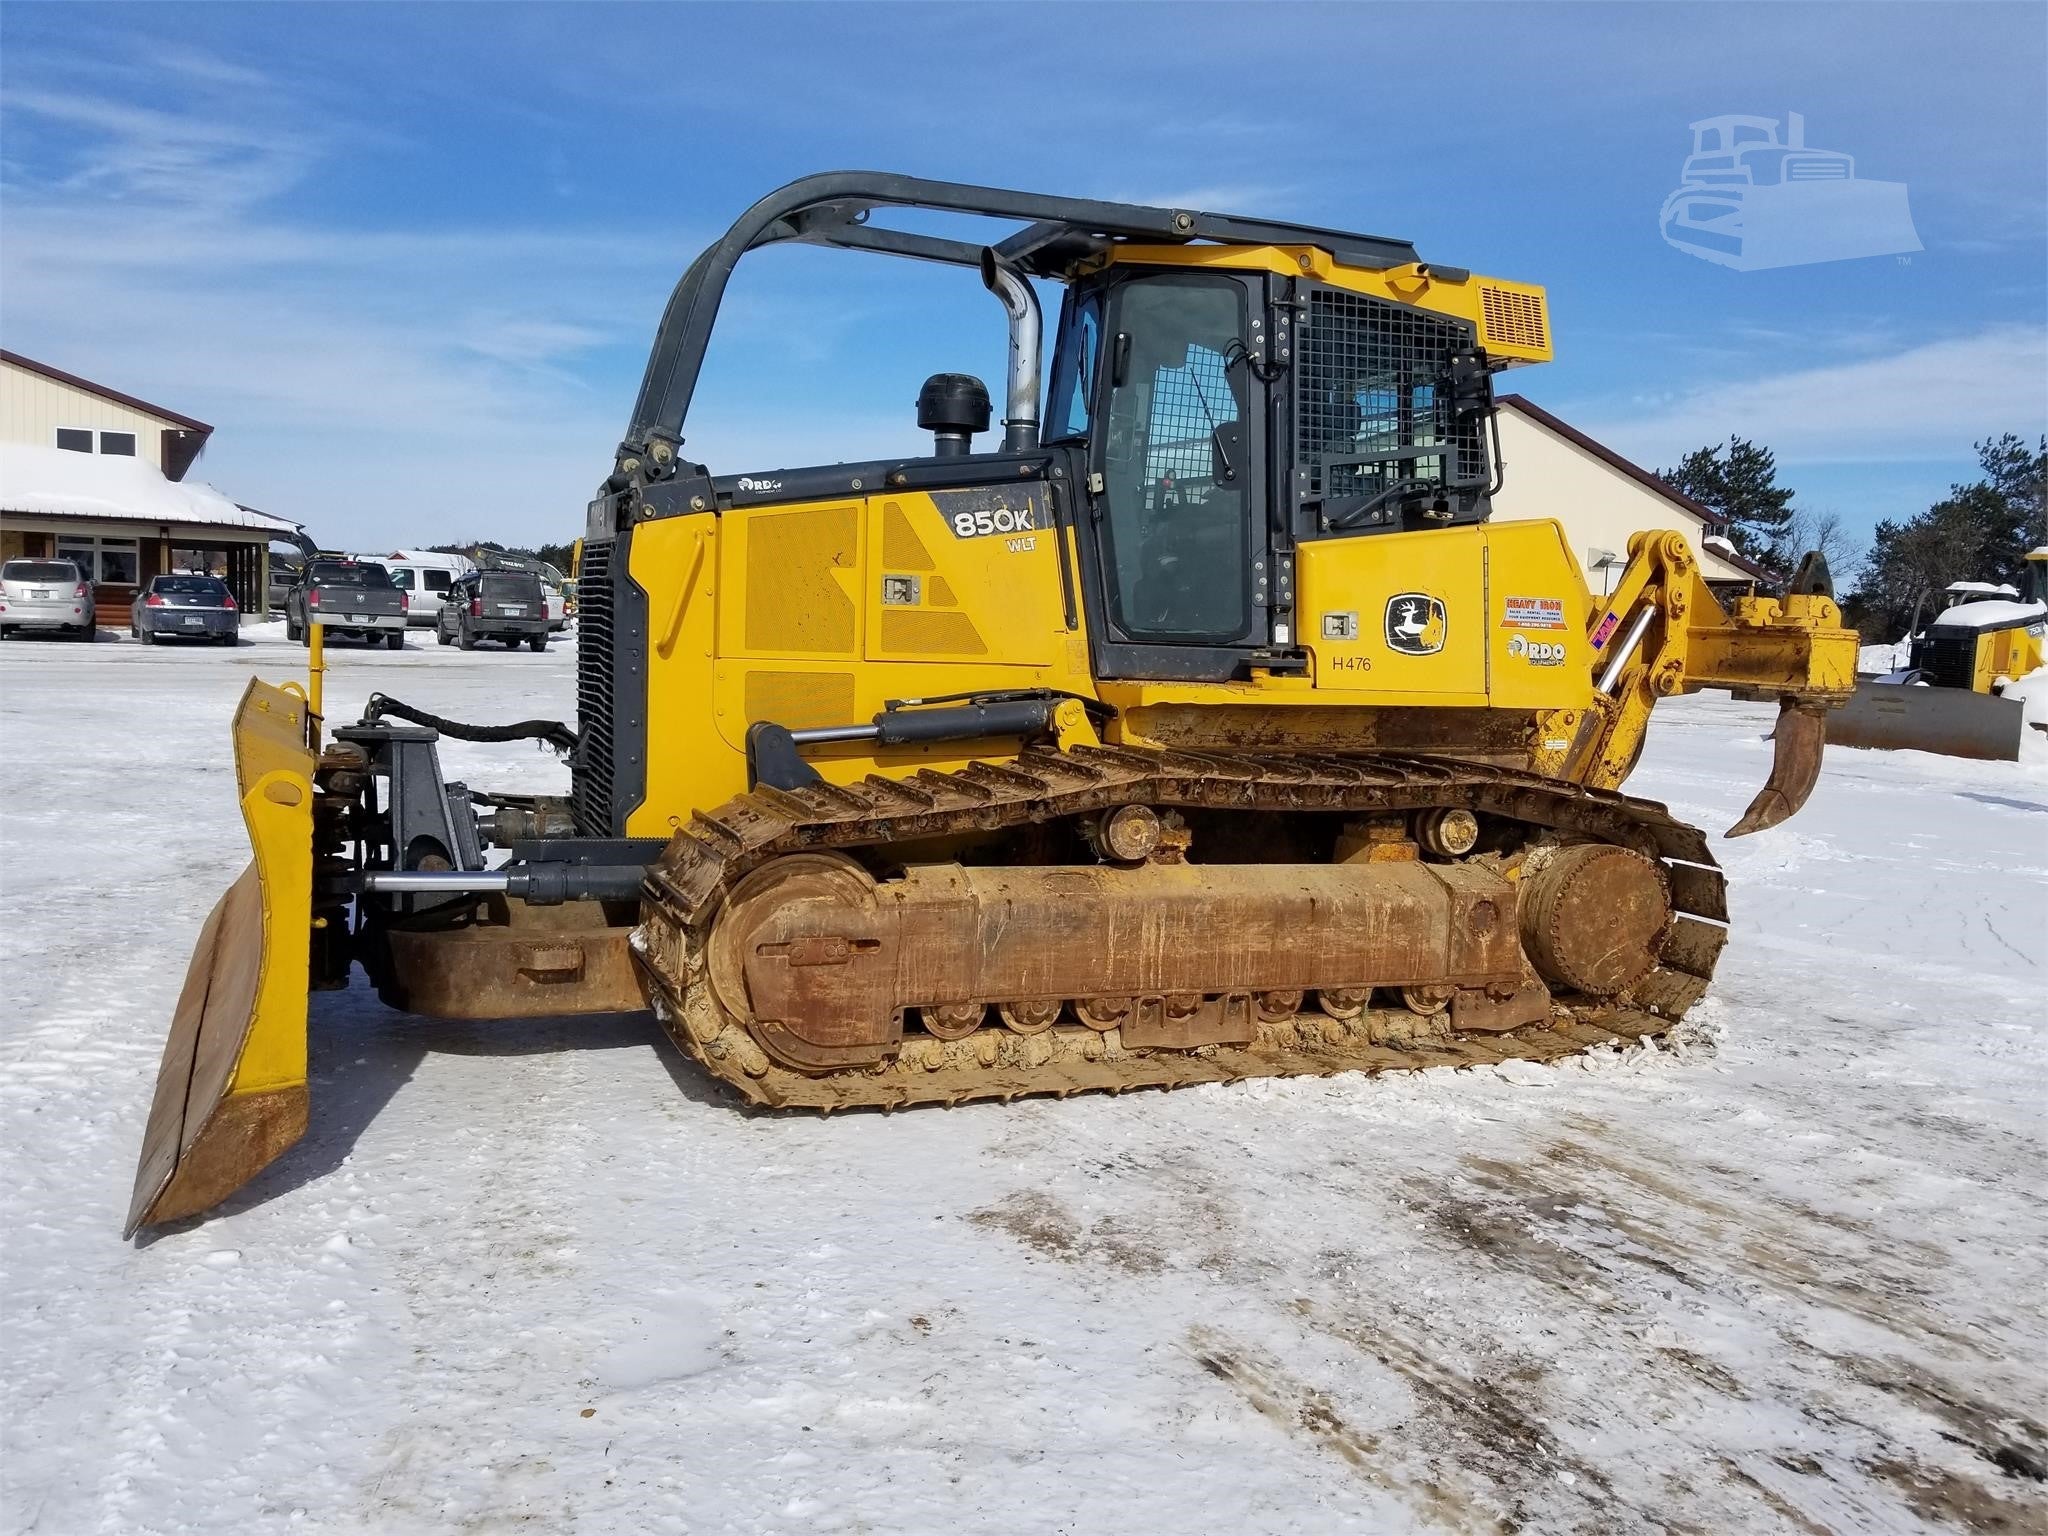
[[795, 602], [1513, 319], [1373, 405], [800, 700]]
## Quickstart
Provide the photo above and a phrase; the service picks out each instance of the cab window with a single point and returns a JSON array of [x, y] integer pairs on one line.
[[1073, 382], [1174, 457]]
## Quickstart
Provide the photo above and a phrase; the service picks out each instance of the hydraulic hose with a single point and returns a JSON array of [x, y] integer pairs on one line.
[[553, 732]]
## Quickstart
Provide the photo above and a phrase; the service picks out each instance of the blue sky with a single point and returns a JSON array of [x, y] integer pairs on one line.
[[408, 259]]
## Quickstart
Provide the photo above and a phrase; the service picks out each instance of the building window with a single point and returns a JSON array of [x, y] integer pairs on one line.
[[74, 439], [118, 442], [107, 562], [120, 562]]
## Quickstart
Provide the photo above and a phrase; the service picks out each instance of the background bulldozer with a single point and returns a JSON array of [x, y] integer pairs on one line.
[[1200, 726], [1948, 698]]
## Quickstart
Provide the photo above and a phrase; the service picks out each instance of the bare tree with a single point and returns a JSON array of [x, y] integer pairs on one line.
[[1825, 531]]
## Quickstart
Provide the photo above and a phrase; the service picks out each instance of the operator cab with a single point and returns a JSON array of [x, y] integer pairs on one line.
[[1227, 416], [1223, 391]]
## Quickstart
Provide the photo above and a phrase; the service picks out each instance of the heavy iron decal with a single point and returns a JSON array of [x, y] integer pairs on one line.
[[1416, 624], [1533, 613]]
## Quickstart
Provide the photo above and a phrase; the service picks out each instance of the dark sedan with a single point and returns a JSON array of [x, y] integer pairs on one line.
[[186, 608]]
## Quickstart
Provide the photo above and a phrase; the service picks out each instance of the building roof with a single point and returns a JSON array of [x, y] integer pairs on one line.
[[1608, 456], [52, 482], [1724, 550], [178, 418]]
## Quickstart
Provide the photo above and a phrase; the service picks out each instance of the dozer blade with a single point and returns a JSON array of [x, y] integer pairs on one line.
[[1797, 743], [231, 1093], [1952, 721]]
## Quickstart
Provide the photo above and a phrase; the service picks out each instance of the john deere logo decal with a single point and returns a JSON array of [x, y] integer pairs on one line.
[[1415, 624]]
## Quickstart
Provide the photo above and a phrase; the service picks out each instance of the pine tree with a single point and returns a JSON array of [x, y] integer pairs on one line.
[[1978, 532], [1738, 482]]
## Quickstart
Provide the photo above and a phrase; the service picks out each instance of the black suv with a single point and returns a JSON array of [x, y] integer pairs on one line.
[[494, 605]]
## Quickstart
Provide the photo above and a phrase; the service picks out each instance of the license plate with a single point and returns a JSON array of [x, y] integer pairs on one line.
[[511, 610], [357, 618], [194, 619], [40, 597]]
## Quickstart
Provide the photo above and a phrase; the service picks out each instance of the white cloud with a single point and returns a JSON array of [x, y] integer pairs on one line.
[[1249, 199], [392, 384], [405, 382], [1922, 403]]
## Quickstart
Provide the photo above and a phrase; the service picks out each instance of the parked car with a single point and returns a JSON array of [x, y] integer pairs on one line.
[[187, 608], [284, 575], [551, 580], [45, 594], [348, 597], [506, 606], [425, 576]]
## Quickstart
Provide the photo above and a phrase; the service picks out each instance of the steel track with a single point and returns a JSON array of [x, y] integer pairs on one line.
[[685, 891]]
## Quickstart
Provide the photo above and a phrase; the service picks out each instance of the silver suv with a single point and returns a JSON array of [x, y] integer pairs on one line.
[[45, 594]]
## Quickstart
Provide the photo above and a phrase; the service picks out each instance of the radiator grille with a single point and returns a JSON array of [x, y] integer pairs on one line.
[[800, 700], [1514, 319], [794, 601], [1950, 661], [1370, 412], [595, 641]]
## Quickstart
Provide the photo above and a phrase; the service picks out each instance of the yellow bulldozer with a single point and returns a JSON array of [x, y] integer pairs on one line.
[[1950, 696], [1196, 724]]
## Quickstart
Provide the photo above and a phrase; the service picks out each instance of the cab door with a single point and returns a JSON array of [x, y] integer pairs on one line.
[[1179, 503]]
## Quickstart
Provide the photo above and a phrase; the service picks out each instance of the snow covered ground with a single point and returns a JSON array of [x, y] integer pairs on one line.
[[541, 1276], [1876, 660]]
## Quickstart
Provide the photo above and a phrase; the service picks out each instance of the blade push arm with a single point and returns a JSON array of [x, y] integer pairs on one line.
[[1663, 633]]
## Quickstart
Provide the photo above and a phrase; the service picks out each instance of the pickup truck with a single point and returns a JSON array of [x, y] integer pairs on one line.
[[346, 597]]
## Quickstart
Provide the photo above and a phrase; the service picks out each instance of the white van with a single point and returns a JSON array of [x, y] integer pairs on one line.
[[425, 576]]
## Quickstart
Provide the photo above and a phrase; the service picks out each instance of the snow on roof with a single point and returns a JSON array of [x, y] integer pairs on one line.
[[55, 482], [1991, 612], [1986, 588]]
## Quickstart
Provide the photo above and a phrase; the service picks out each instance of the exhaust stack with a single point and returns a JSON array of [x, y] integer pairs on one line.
[[1020, 409]]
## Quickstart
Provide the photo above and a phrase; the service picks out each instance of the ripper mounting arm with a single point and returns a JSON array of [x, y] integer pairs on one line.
[[1663, 633]]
